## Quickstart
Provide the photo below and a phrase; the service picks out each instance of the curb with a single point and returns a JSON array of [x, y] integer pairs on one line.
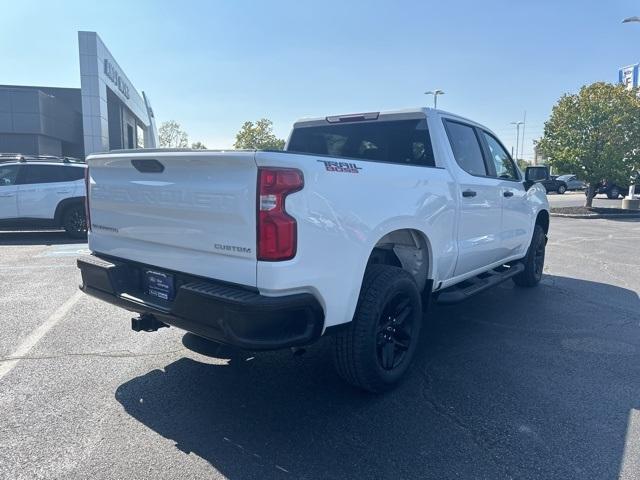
[[596, 215]]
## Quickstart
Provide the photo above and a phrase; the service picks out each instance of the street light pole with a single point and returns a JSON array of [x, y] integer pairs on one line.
[[517, 124], [524, 125], [632, 187], [435, 94]]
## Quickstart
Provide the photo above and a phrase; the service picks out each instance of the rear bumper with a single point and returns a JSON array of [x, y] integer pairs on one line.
[[212, 309]]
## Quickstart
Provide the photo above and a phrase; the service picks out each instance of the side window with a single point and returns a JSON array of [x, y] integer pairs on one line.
[[43, 174], [466, 148], [8, 175], [71, 174], [505, 168]]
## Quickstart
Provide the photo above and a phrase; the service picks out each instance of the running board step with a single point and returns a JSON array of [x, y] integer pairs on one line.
[[482, 282]]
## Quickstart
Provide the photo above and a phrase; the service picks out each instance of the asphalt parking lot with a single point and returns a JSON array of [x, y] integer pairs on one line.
[[515, 383], [576, 199]]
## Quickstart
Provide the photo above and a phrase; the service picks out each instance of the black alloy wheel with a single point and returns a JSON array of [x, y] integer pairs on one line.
[[394, 332]]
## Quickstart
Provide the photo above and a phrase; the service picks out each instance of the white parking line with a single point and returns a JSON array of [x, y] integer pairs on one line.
[[34, 337], [72, 250], [631, 455]]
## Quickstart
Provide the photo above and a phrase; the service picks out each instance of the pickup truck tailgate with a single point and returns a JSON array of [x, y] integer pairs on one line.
[[189, 211]]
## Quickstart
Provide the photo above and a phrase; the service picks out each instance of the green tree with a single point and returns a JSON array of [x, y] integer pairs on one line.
[[198, 146], [258, 136], [171, 135], [522, 164], [595, 134]]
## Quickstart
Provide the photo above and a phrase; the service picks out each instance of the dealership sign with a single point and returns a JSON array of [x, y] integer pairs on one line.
[[628, 76], [113, 74]]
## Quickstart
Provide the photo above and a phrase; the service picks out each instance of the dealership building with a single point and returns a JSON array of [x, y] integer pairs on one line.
[[105, 113]]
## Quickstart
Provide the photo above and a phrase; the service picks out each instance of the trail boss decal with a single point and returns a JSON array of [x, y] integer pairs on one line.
[[344, 167]]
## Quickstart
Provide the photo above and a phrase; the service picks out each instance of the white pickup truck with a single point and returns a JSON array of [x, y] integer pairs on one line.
[[350, 231]]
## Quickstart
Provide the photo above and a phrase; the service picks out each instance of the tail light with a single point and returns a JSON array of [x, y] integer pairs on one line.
[[87, 214], [276, 230]]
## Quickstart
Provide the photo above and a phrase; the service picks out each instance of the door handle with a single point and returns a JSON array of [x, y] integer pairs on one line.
[[468, 193], [63, 191], [8, 195], [507, 193]]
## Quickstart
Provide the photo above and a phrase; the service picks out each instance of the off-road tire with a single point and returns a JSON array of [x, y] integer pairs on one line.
[[534, 261], [358, 348]]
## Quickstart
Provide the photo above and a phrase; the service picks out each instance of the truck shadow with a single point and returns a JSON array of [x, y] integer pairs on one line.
[[520, 383]]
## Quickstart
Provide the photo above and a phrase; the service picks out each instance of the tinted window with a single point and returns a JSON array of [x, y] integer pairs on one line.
[[466, 148], [51, 173], [8, 174], [505, 168], [71, 174], [400, 141], [537, 174]]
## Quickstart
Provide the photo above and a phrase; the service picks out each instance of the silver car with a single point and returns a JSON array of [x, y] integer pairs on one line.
[[572, 182]]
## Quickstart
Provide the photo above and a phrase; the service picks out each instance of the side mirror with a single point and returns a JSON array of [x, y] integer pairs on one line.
[[536, 174]]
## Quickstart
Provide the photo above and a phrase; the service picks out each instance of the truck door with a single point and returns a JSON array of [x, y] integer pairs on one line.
[[480, 201], [516, 211]]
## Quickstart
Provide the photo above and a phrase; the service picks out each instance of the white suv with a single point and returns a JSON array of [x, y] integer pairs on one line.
[[43, 192]]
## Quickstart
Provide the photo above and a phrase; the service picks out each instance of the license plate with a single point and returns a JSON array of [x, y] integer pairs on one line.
[[159, 284]]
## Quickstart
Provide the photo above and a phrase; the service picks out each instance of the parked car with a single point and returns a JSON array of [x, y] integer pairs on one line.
[[554, 184], [614, 190], [38, 192], [351, 231], [572, 182]]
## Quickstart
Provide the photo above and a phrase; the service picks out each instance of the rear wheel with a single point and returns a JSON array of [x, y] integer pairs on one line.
[[613, 193], [74, 221], [534, 261], [377, 347]]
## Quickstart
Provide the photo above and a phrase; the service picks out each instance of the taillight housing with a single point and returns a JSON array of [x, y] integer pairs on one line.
[[86, 198], [277, 231]]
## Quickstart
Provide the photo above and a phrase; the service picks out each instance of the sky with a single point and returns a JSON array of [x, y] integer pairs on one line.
[[211, 65]]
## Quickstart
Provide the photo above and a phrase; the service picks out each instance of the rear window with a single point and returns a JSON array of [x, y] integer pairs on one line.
[[399, 141]]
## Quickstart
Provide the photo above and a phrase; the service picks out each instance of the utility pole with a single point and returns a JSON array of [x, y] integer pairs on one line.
[[517, 124], [435, 94]]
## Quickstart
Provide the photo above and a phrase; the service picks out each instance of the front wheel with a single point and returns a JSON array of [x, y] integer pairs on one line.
[[74, 221], [377, 347], [534, 261], [562, 189], [613, 193]]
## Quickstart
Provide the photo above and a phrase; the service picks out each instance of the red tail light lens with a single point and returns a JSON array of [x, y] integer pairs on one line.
[[277, 231], [86, 198]]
